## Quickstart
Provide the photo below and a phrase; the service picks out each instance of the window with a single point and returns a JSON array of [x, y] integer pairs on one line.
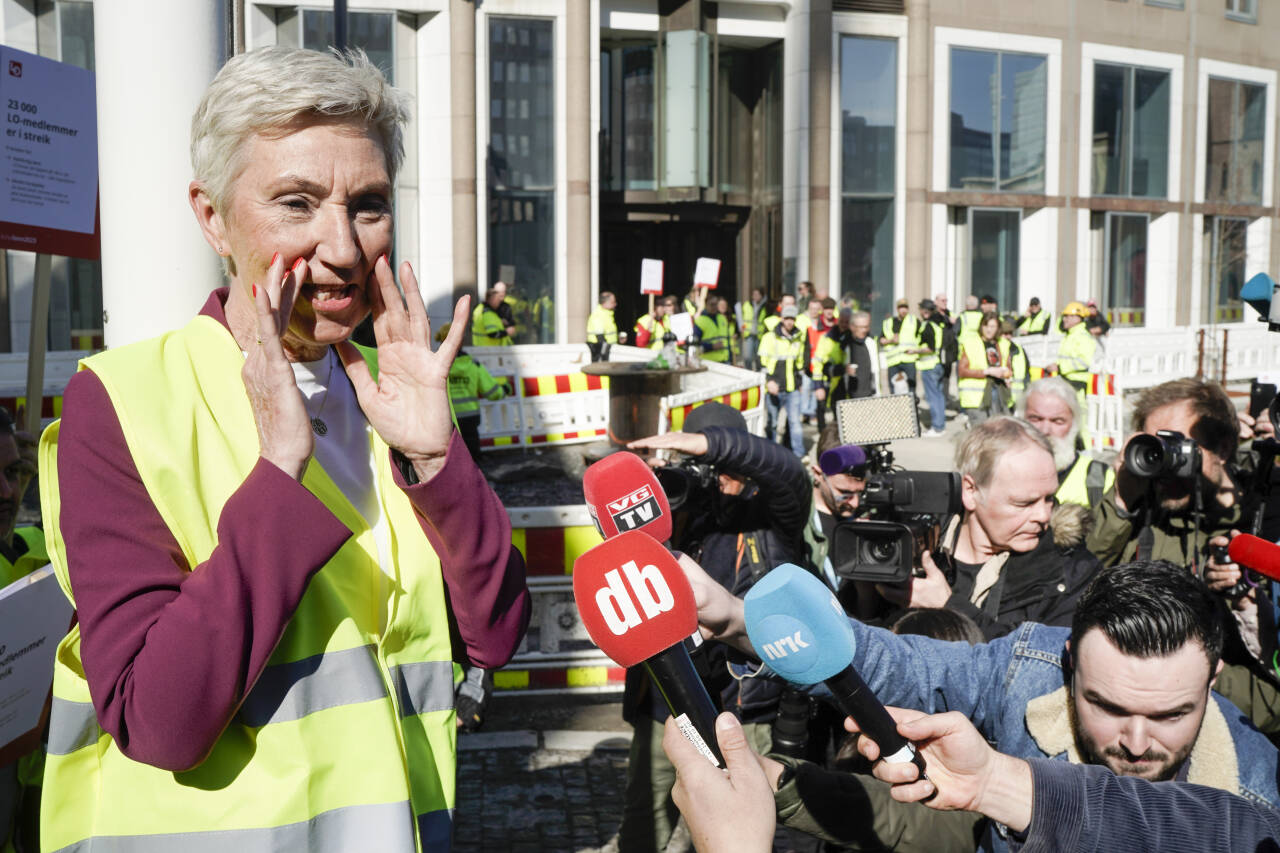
[[868, 161], [1125, 268], [627, 94], [521, 171], [1130, 131], [1168, 4], [369, 31], [1225, 244], [1237, 132], [998, 115], [994, 235], [1243, 10]]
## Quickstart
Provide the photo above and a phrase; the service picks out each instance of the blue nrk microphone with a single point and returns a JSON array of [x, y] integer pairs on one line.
[[800, 630]]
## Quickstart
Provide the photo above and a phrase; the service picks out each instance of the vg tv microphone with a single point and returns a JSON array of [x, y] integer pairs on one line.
[[623, 494], [638, 607], [799, 629]]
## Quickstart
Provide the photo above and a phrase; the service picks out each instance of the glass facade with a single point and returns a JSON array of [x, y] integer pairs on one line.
[[1236, 134], [1125, 294], [994, 236], [370, 31], [628, 93], [521, 171], [868, 163], [1130, 131], [998, 114], [1226, 238]]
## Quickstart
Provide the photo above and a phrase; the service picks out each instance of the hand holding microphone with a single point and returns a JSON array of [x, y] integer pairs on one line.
[[799, 629]]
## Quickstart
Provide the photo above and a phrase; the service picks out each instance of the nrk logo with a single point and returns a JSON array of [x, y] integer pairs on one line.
[[15, 68], [617, 603], [782, 647], [635, 510]]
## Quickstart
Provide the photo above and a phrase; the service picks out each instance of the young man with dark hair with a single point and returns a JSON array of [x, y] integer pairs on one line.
[[1127, 687]]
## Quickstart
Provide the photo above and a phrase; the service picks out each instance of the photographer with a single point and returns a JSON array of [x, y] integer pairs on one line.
[[839, 475], [744, 513], [1010, 556], [1170, 515]]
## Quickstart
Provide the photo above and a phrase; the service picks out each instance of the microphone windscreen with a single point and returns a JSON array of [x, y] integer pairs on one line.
[[797, 626], [1255, 553], [623, 494], [633, 597]]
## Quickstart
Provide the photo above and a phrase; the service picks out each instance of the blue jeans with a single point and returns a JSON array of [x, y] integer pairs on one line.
[[934, 397], [808, 403], [789, 400], [750, 346]]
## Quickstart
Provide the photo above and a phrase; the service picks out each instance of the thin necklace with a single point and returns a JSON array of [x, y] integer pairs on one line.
[[318, 426]]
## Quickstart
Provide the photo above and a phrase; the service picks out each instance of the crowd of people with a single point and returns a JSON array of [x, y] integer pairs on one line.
[[287, 568]]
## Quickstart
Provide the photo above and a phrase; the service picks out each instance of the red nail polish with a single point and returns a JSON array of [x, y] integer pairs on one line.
[[255, 291], [275, 258], [299, 265]]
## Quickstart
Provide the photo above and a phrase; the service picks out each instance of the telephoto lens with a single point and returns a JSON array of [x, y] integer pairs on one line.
[[791, 726]]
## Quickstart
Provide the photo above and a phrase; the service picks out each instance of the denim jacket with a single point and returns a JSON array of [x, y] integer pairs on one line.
[[1014, 690]]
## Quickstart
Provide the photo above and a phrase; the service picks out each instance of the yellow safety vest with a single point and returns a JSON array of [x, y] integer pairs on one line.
[[34, 557], [485, 324], [774, 348], [753, 319], [656, 329], [928, 360], [469, 381], [908, 336], [602, 326], [970, 389], [715, 337], [1075, 355], [826, 354], [1086, 482], [348, 737], [1036, 325]]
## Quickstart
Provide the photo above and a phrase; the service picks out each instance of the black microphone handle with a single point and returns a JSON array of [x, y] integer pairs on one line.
[[686, 696], [855, 699]]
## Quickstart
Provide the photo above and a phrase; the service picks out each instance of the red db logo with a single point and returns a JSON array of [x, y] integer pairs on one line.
[[15, 68]]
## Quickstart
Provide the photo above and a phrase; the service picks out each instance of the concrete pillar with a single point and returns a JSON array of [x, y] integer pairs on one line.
[[820, 144], [578, 214], [795, 151], [154, 60], [919, 156], [462, 93]]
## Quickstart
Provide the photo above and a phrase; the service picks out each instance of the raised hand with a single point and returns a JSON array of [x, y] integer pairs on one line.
[[408, 405], [284, 431]]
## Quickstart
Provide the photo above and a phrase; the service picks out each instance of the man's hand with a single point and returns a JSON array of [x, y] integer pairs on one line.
[[932, 590], [771, 386], [720, 613], [1251, 427], [729, 810], [961, 767], [692, 443], [820, 394], [1220, 576]]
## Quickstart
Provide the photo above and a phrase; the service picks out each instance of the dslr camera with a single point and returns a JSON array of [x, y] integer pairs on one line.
[[901, 511], [1167, 455], [687, 483]]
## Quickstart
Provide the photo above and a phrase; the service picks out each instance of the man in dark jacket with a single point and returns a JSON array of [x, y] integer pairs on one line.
[[1010, 557], [745, 514]]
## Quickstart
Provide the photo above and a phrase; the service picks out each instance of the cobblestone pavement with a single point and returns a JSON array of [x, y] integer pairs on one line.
[[530, 792]]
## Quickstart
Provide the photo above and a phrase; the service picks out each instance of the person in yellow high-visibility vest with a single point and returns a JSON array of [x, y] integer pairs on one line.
[[711, 332], [984, 372], [602, 328], [783, 362], [750, 316], [1078, 349], [1051, 406], [275, 541], [469, 383], [651, 329], [899, 338], [1037, 320], [488, 329]]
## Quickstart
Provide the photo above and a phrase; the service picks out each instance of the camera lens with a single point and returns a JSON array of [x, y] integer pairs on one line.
[[881, 551], [1145, 456]]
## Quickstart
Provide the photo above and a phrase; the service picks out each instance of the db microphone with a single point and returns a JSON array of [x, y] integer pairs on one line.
[[638, 607], [800, 630], [1257, 554], [623, 494]]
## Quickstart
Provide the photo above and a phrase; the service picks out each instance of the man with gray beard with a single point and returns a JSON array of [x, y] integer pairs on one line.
[[1052, 407]]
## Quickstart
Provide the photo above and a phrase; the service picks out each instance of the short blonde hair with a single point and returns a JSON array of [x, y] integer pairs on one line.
[[274, 89], [977, 452]]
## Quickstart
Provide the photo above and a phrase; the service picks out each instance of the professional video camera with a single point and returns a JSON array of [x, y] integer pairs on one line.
[[688, 482], [902, 511], [1167, 454]]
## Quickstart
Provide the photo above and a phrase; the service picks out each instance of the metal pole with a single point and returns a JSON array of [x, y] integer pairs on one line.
[[340, 24], [38, 344]]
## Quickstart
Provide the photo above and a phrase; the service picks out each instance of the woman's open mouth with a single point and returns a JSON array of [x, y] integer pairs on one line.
[[328, 298]]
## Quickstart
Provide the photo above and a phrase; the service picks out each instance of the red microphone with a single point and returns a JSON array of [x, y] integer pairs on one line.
[[638, 607], [623, 494], [1257, 554]]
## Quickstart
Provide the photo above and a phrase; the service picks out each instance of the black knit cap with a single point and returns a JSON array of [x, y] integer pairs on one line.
[[714, 414]]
